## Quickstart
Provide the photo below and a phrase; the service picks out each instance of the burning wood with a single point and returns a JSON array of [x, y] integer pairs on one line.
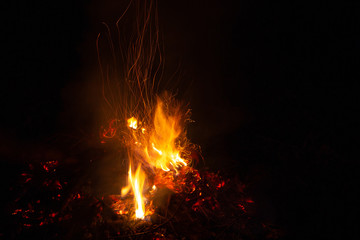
[[158, 147], [165, 196]]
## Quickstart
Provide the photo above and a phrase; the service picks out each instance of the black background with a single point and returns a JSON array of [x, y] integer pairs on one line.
[[272, 87]]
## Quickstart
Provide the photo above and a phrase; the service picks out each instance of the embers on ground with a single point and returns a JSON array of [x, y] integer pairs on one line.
[[49, 202]]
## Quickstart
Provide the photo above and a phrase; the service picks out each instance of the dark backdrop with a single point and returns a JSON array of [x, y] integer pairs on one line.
[[272, 86]]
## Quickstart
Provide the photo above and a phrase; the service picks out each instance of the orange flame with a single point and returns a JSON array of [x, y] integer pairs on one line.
[[153, 146], [156, 141], [156, 144]]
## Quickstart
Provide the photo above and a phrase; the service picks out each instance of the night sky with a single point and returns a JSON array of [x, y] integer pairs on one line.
[[273, 89]]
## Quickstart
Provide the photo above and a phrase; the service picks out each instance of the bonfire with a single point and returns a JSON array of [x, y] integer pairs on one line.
[[163, 196]]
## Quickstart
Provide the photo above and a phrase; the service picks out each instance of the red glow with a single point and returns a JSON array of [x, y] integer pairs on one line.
[[220, 185], [58, 185], [16, 211], [242, 207], [110, 131]]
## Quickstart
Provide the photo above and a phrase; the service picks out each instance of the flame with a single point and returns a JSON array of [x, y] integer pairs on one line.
[[136, 182], [167, 129], [156, 145], [156, 141]]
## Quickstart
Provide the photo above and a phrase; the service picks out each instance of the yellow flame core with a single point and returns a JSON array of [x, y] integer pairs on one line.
[[137, 185]]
